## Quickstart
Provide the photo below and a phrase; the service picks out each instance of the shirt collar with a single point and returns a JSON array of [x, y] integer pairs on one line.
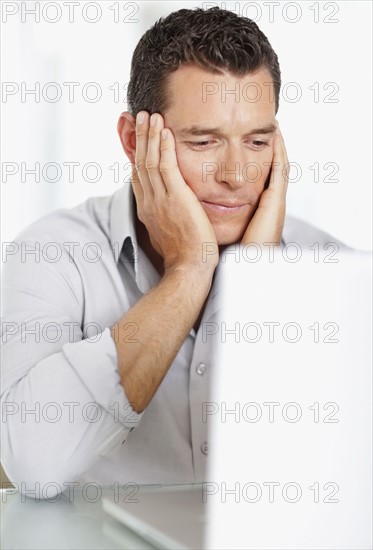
[[122, 223], [123, 238]]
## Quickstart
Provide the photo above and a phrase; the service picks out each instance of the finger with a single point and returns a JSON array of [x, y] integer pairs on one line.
[[286, 166], [168, 165], [283, 148], [285, 155], [136, 184], [153, 156], [280, 165], [141, 152]]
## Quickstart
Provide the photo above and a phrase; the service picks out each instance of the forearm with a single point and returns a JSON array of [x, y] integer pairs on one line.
[[163, 318]]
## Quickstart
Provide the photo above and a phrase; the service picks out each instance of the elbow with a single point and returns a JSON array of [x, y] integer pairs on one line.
[[37, 483], [38, 479]]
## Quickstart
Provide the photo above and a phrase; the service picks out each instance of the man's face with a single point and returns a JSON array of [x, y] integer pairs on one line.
[[223, 153]]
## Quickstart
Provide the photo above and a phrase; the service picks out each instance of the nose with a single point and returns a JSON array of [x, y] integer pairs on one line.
[[233, 167]]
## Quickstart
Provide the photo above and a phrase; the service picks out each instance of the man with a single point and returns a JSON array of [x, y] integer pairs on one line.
[[125, 403]]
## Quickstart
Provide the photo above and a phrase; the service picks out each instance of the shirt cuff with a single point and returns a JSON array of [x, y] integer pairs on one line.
[[95, 361]]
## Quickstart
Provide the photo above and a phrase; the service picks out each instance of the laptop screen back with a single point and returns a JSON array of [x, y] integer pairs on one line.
[[290, 411]]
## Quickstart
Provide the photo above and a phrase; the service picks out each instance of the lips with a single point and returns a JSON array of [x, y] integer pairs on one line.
[[224, 207], [226, 204]]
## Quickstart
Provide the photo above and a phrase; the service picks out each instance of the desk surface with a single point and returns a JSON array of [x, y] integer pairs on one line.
[[73, 522]]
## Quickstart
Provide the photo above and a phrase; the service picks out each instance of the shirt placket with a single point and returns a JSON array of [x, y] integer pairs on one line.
[[199, 388]]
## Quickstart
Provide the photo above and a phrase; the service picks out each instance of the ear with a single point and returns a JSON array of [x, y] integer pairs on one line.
[[127, 134]]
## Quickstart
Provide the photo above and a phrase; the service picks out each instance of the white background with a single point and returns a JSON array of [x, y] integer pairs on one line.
[[82, 51]]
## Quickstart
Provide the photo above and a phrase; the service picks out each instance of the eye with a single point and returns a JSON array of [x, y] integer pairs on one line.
[[258, 143], [200, 144], [203, 144]]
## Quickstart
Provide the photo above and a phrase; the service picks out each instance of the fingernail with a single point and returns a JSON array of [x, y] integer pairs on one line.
[[153, 119], [164, 133], [140, 117]]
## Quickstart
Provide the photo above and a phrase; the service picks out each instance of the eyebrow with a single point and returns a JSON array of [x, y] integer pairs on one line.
[[199, 131]]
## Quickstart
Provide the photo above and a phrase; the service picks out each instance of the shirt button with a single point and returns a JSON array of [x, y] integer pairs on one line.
[[200, 369], [204, 448]]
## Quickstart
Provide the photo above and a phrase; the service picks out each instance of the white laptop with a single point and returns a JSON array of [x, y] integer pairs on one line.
[[289, 415]]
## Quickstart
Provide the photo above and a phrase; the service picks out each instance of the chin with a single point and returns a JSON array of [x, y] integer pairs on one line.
[[230, 231], [229, 235]]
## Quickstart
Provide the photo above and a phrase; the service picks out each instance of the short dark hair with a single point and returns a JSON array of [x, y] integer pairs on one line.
[[213, 39]]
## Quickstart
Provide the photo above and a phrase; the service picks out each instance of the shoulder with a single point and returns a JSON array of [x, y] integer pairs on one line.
[[62, 244], [87, 221], [303, 233]]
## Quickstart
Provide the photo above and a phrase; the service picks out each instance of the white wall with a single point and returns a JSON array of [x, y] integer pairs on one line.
[[81, 51]]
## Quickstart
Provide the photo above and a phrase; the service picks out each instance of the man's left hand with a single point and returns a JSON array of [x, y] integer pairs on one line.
[[268, 221]]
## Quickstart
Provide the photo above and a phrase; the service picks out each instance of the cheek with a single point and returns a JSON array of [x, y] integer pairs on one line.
[[190, 168], [265, 167], [257, 169]]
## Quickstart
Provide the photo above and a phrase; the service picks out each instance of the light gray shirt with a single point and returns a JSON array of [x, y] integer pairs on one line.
[[67, 279]]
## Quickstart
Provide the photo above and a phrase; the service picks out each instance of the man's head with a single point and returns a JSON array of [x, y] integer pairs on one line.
[[186, 67]]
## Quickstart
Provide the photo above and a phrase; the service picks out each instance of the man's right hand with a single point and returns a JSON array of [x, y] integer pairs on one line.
[[178, 227]]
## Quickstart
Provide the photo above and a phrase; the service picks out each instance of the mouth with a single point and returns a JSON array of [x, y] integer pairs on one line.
[[225, 208]]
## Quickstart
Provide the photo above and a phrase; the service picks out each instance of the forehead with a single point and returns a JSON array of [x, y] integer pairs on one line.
[[198, 96]]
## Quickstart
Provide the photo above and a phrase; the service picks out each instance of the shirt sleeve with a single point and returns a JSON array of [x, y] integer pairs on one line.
[[63, 406]]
